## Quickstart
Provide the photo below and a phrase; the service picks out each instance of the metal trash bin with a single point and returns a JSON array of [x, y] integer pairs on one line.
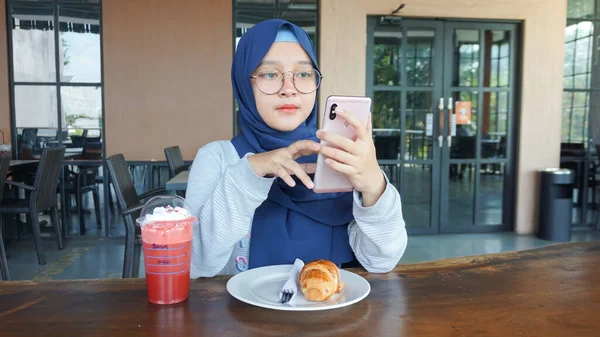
[[556, 205]]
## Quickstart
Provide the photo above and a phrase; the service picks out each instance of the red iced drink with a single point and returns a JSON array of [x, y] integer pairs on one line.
[[167, 248]]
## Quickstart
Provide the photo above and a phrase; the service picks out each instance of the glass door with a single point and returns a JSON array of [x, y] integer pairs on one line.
[[476, 158], [406, 78], [443, 97]]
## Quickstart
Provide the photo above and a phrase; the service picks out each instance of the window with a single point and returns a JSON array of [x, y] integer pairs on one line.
[[467, 42], [499, 58], [419, 58], [56, 75], [303, 13], [247, 13], [579, 86]]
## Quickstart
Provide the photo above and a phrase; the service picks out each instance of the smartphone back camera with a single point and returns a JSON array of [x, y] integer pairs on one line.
[[332, 113]]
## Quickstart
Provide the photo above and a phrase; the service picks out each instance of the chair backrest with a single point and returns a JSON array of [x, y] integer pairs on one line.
[[46, 177], [572, 150], [175, 160], [464, 147], [62, 135], [77, 141], [124, 187], [29, 136], [387, 147], [26, 143], [92, 149], [4, 166]]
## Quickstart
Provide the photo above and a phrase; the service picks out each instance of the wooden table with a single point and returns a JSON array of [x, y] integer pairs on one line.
[[553, 291], [178, 182]]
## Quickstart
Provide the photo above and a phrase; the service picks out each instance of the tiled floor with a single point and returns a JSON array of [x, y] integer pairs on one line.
[[95, 256], [103, 257], [435, 247]]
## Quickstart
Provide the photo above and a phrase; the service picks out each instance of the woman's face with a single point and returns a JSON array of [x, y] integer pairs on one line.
[[287, 108]]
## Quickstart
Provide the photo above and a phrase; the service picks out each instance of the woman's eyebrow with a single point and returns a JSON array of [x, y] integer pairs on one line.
[[273, 62], [268, 62]]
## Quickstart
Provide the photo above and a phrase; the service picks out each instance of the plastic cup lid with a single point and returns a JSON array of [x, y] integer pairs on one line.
[[171, 207]]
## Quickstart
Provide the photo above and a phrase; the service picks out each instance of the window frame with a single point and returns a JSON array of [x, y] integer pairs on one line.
[[57, 83], [277, 10]]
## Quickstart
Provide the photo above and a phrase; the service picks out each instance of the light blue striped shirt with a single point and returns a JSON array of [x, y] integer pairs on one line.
[[223, 192]]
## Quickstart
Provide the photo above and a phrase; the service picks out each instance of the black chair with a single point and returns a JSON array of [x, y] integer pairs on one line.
[[572, 149], [26, 143], [86, 180], [465, 147], [4, 166], [175, 160], [387, 147], [131, 206], [82, 141], [42, 197], [77, 141], [594, 184], [176, 163], [62, 135]]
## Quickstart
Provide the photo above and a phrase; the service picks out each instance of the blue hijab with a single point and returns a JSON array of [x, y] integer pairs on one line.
[[293, 222]]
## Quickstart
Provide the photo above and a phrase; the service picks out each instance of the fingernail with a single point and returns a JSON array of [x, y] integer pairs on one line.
[[311, 185]]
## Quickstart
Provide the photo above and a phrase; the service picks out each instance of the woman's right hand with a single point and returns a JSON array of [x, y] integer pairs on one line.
[[282, 162]]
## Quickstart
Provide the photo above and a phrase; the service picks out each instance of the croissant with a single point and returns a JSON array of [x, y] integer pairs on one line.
[[319, 280]]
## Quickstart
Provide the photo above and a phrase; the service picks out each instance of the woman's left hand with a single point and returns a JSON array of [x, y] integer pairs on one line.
[[355, 159]]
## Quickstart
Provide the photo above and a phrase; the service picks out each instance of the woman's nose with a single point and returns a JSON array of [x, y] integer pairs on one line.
[[288, 88]]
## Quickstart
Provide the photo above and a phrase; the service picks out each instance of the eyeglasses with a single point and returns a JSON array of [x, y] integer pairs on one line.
[[270, 81]]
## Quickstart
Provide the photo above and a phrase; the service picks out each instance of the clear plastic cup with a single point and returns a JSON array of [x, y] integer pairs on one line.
[[5, 151], [167, 244]]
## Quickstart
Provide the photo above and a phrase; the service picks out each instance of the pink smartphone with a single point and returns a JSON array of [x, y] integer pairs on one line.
[[327, 180]]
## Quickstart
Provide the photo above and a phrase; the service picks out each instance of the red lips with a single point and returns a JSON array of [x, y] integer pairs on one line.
[[288, 108]]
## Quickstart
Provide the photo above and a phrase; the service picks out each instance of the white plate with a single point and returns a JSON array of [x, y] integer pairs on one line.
[[261, 286]]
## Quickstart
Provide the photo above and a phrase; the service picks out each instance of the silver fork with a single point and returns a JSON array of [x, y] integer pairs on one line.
[[286, 295], [289, 289]]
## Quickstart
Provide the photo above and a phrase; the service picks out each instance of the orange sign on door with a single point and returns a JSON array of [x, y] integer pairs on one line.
[[463, 112]]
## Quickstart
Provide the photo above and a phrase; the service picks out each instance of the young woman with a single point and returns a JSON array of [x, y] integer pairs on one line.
[[253, 194]]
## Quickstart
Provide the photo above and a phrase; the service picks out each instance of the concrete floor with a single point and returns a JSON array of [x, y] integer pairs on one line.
[[88, 257]]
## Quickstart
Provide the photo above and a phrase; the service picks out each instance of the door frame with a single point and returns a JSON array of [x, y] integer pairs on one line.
[[436, 91], [440, 163], [448, 90]]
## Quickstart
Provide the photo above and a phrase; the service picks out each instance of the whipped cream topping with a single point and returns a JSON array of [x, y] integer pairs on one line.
[[167, 214]]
